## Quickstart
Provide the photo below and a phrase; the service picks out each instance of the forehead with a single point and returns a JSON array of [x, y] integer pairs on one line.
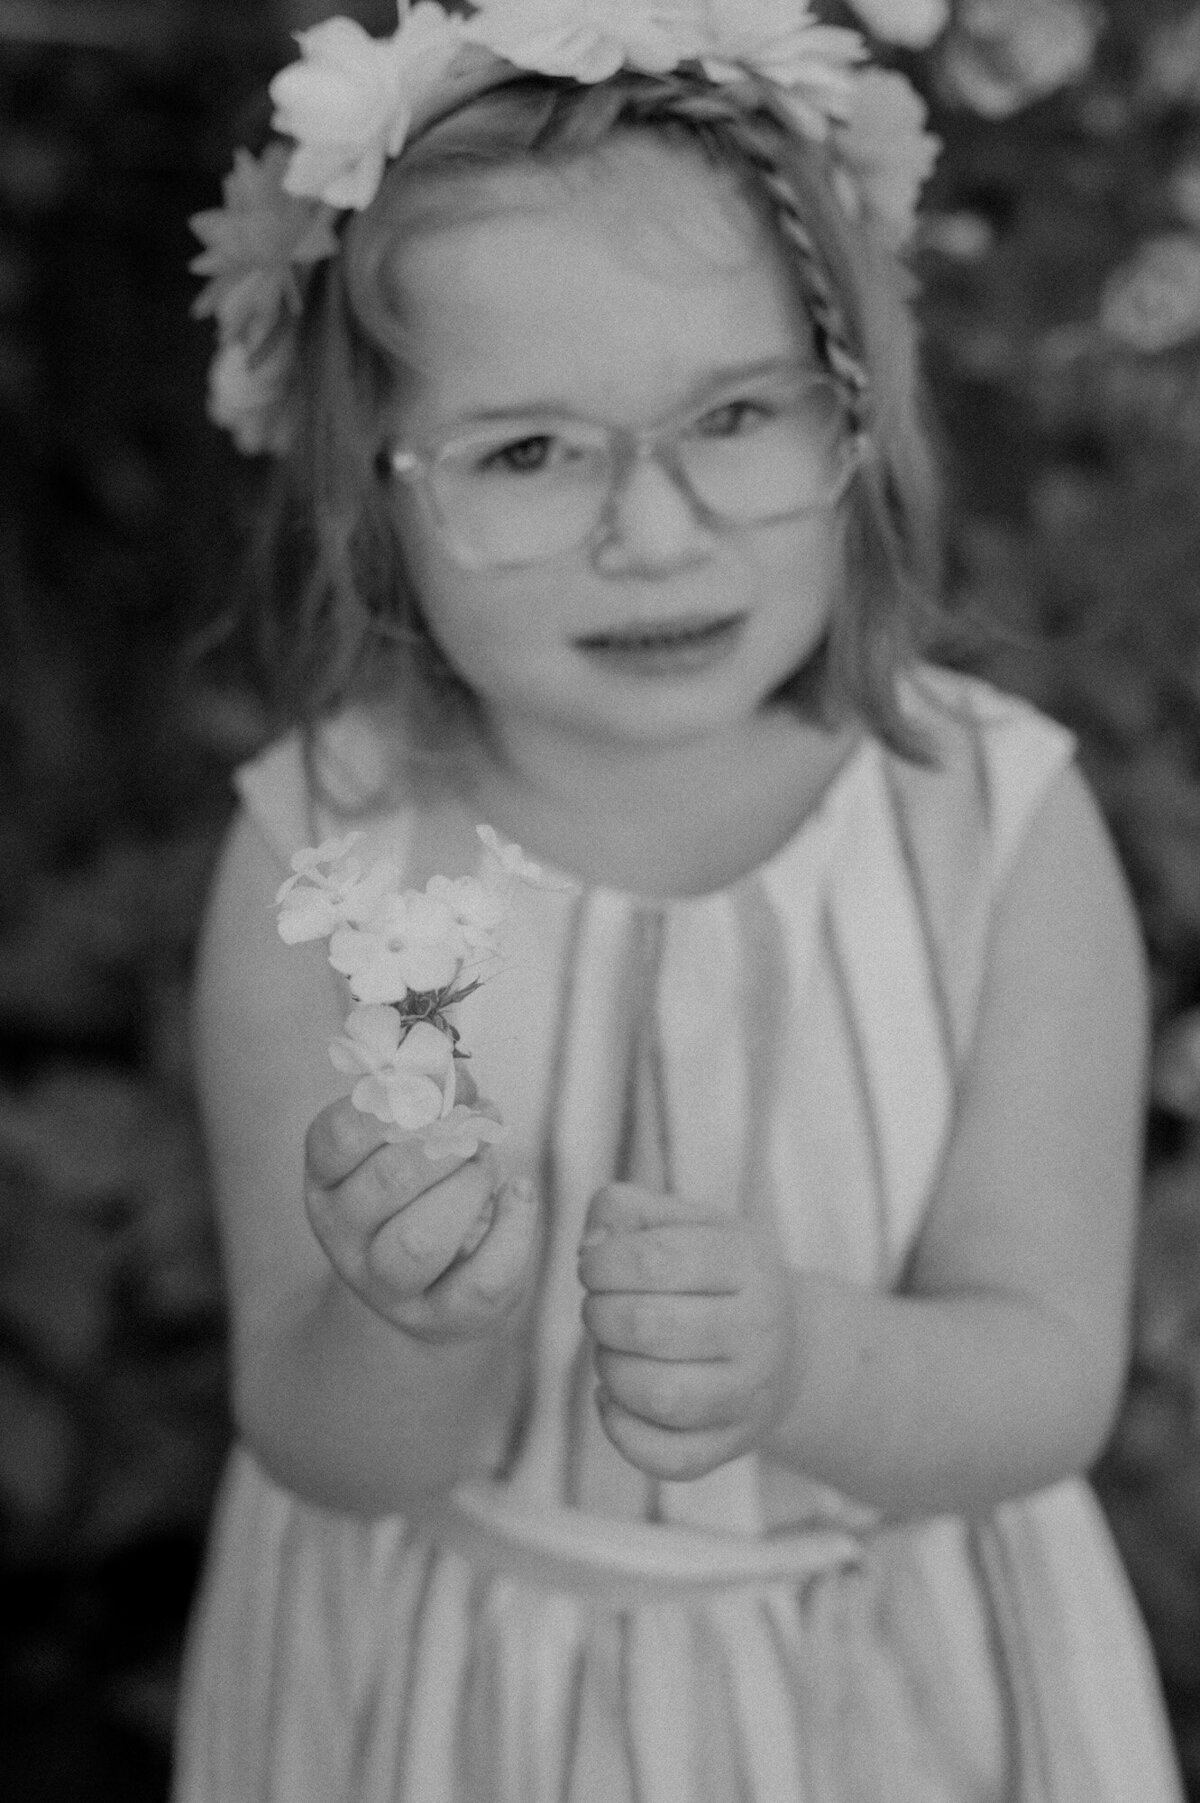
[[612, 284]]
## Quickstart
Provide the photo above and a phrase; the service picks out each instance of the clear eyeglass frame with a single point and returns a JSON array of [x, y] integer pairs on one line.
[[619, 450]]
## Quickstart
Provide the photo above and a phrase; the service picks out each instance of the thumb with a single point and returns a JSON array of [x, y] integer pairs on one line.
[[626, 1207]]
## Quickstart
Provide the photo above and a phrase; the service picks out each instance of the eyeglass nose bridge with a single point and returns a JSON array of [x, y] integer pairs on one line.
[[628, 448]]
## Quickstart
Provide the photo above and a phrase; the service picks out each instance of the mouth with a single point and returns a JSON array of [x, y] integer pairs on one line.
[[689, 642]]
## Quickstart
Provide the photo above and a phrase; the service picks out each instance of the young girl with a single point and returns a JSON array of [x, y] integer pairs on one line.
[[715, 1435]]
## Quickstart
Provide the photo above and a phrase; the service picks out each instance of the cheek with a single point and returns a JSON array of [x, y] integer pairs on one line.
[[802, 570], [481, 620], [482, 629], [441, 590]]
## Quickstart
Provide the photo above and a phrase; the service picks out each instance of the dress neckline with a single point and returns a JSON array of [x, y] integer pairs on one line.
[[860, 756], [348, 749]]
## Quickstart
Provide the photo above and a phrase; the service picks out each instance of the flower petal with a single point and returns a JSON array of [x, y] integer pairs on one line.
[[586, 40], [305, 914], [384, 979], [376, 1027], [426, 1050], [460, 1133], [886, 149], [348, 102], [913, 23], [413, 1100], [371, 1096], [427, 967]]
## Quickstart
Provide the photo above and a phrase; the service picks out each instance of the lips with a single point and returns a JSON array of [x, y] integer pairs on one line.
[[665, 650], [665, 635]]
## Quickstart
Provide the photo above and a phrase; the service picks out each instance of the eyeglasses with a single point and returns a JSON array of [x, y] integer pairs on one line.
[[523, 490]]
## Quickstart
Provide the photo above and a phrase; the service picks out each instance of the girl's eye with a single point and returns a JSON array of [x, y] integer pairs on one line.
[[521, 457], [733, 418]]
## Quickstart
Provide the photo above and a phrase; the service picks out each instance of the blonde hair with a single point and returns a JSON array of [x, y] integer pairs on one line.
[[339, 620]]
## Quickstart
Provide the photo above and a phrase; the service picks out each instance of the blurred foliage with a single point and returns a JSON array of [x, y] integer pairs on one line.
[[1061, 273]]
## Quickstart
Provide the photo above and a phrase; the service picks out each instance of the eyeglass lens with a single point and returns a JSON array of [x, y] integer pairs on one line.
[[524, 491]]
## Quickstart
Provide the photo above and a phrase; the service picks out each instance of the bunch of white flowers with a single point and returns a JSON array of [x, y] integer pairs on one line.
[[408, 956]]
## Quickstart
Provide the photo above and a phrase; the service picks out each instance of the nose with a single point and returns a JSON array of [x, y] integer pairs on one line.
[[651, 526]]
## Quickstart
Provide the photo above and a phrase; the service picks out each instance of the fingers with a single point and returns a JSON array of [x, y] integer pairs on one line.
[[669, 1327], [691, 1324], [338, 1140], [635, 1239], [665, 1452], [622, 1207], [485, 1282], [356, 1176], [701, 1258], [502, 1258], [682, 1396], [419, 1241], [342, 1138], [347, 1216]]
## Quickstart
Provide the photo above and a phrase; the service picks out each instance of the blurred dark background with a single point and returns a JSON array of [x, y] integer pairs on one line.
[[1061, 269]]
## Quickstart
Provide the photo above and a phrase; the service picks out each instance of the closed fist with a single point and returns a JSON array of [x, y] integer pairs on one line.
[[442, 1251], [694, 1325]]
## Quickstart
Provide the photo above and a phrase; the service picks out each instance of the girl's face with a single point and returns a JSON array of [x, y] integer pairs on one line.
[[624, 291]]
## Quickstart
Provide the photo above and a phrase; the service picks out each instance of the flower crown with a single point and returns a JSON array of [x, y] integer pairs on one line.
[[352, 102]]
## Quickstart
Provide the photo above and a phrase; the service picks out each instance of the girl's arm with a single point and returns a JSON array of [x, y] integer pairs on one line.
[[339, 1404], [999, 1368]]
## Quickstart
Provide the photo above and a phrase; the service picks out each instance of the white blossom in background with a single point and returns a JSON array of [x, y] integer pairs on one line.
[[1170, 72], [1003, 54], [1152, 303], [1184, 190]]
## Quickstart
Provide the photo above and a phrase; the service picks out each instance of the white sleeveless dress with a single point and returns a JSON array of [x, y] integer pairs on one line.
[[572, 1632]]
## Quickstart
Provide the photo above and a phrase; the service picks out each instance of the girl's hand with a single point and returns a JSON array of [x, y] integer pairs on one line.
[[442, 1253], [695, 1331]]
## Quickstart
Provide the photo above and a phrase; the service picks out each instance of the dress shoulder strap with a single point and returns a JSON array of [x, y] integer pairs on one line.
[[958, 822], [1021, 752], [273, 788], [298, 797]]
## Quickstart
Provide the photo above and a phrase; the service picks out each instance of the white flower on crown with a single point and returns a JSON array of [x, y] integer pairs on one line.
[[246, 396], [352, 100], [885, 154], [349, 101], [913, 23], [588, 40], [786, 45]]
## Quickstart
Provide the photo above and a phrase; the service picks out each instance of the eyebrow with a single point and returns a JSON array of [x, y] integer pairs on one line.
[[713, 382]]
